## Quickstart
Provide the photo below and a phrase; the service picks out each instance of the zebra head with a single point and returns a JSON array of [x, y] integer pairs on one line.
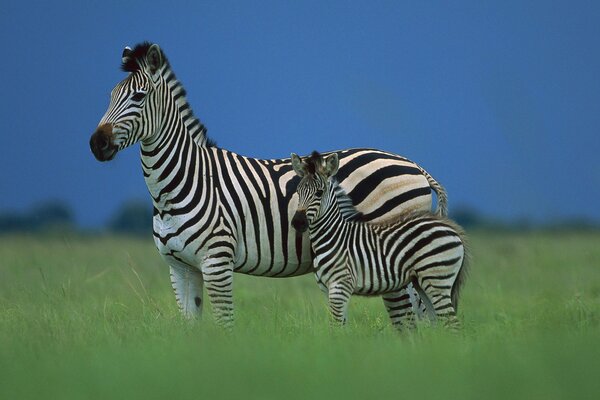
[[135, 108], [314, 190]]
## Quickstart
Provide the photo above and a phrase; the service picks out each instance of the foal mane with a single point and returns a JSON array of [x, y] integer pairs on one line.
[[345, 204]]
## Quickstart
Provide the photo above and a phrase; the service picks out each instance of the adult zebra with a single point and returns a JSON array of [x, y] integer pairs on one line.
[[216, 212]]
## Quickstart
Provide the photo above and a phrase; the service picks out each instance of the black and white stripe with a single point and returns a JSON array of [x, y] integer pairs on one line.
[[354, 257], [216, 212]]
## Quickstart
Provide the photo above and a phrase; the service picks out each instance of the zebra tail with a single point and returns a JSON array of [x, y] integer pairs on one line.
[[442, 197]]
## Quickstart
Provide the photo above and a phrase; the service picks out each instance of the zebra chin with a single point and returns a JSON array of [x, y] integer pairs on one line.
[[105, 155]]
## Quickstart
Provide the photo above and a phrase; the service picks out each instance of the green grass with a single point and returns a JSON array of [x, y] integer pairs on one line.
[[96, 318]]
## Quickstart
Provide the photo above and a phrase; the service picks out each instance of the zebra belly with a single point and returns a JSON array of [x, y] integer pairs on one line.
[[375, 291], [174, 248], [274, 264], [372, 281], [171, 244], [288, 271]]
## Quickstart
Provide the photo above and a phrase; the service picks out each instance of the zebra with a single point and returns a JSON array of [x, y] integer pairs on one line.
[[216, 212], [353, 257]]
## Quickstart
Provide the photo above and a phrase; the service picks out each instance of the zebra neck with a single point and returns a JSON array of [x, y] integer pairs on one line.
[[326, 224], [174, 165], [193, 126], [177, 155]]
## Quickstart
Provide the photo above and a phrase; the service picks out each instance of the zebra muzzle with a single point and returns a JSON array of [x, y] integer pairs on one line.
[[101, 143], [299, 221]]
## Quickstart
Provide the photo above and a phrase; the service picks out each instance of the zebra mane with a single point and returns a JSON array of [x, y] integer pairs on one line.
[[197, 129], [132, 62], [314, 162], [346, 207]]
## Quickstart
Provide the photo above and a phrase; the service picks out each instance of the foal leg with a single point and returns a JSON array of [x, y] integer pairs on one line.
[[218, 278], [399, 308], [407, 305], [440, 297], [339, 295]]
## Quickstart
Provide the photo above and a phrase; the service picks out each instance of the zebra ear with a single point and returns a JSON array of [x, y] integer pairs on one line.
[[298, 165], [126, 54], [331, 164], [154, 58]]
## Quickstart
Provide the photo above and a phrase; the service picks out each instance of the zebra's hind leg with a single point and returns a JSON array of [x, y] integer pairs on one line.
[[407, 305], [441, 300], [187, 284], [218, 278], [399, 306]]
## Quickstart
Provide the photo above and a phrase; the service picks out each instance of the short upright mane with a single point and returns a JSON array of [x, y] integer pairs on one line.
[[347, 209], [314, 162], [132, 62]]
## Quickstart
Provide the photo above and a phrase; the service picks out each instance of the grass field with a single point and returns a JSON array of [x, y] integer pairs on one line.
[[96, 318]]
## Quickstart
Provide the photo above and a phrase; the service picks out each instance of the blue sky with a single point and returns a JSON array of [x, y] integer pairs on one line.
[[500, 101]]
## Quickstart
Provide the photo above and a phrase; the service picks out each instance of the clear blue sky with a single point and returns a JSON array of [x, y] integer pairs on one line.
[[500, 102]]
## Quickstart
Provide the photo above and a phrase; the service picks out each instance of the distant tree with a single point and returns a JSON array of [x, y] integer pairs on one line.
[[574, 224], [134, 217], [468, 217], [52, 215], [14, 223]]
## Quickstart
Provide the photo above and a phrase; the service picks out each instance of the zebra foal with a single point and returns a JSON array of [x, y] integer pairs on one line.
[[353, 257]]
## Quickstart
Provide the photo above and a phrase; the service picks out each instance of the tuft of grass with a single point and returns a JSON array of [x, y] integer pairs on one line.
[[95, 318]]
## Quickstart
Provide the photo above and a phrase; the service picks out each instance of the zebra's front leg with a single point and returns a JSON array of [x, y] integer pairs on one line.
[[218, 279], [339, 297], [187, 284]]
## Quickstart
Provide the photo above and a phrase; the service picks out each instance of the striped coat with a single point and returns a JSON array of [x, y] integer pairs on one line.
[[217, 212], [355, 257]]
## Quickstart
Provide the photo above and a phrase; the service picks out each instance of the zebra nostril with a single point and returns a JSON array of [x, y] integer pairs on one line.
[[102, 142], [299, 222]]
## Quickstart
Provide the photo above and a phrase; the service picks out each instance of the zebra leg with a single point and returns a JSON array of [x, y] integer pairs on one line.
[[418, 305], [218, 279], [187, 284], [406, 305], [441, 299], [339, 296], [399, 308]]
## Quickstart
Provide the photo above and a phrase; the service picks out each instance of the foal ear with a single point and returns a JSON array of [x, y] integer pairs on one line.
[[154, 58], [298, 165], [126, 54], [332, 164]]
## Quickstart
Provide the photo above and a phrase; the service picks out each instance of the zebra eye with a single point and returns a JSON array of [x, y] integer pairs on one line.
[[138, 96], [319, 193]]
